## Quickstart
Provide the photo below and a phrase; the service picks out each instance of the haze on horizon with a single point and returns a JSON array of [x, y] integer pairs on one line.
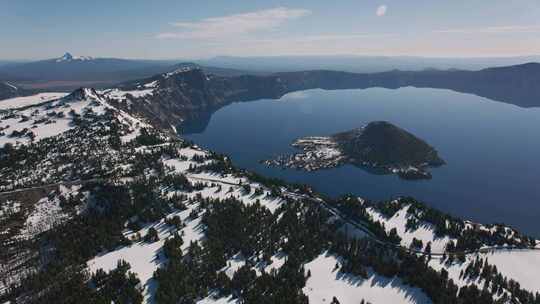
[[202, 29]]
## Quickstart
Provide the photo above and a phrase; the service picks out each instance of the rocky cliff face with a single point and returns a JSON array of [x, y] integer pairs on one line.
[[189, 94], [516, 85], [179, 96]]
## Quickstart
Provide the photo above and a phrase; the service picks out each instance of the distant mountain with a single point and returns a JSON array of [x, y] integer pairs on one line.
[[69, 69], [70, 72], [215, 70], [360, 64], [84, 68], [516, 85], [69, 58]]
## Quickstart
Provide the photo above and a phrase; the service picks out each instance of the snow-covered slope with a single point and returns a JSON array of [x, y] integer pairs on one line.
[[326, 282], [50, 114], [517, 265], [424, 233], [145, 257], [514, 264], [19, 102], [92, 158]]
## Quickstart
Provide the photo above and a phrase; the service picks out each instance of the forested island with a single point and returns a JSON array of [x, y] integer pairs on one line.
[[380, 147]]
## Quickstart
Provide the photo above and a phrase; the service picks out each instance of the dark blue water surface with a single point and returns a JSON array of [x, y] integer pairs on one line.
[[492, 149]]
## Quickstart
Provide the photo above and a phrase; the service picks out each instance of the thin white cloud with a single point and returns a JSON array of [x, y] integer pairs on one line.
[[493, 30], [381, 10], [233, 25]]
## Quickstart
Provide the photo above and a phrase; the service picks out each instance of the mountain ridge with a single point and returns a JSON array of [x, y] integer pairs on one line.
[[361, 64], [191, 96], [82, 68]]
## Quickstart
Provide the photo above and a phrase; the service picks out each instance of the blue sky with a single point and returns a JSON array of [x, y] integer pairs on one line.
[[200, 29]]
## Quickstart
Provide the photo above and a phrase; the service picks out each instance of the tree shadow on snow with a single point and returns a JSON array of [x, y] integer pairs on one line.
[[413, 294]]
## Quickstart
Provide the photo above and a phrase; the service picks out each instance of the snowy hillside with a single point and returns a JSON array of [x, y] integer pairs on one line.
[[101, 204], [19, 102], [327, 282], [32, 118]]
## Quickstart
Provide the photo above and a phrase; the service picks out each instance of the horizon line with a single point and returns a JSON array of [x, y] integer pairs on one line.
[[14, 60]]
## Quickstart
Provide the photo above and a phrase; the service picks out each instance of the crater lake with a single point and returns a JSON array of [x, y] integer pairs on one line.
[[492, 149]]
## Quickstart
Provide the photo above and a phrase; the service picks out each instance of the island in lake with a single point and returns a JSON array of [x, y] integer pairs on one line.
[[380, 147]]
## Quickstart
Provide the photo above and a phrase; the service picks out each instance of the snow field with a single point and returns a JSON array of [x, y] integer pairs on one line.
[[144, 257], [325, 282], [19, 102], [425, 231]]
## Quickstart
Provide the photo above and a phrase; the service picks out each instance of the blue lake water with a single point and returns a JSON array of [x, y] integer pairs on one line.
[[492, 149]]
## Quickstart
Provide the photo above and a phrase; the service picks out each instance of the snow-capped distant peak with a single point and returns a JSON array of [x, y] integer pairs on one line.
[[68, 58]]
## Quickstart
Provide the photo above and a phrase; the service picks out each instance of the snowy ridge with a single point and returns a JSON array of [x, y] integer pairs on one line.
[[424, 233], [513, 263], [122, 95], [50, 119], [179, 71], [50, 114], [19, 102], [406, 216], [68, 152], [139, 91]]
